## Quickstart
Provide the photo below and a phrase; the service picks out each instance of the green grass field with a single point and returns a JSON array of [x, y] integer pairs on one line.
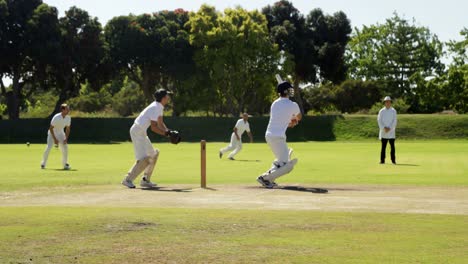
[[150, 234], [420, 163]]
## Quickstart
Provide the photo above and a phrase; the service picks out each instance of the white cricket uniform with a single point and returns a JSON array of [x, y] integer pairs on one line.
[[281, 113], [141, 143], [59, 123], [236, 144], [387, 118]]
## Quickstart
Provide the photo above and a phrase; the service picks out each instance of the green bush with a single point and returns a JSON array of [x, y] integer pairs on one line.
[[40, 105], [128, 100], [90, 102]]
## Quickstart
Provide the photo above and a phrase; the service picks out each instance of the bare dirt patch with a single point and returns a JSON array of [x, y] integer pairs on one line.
[[343, 198]]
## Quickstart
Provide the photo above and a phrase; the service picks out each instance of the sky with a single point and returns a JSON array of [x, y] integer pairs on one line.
[[444, 18]]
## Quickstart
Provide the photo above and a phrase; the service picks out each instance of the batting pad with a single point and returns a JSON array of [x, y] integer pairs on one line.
[[285, 169], [137, 168]]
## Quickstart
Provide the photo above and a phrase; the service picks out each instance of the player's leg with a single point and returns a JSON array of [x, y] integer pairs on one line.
[[64, 150], [383, 150], [142, 159], [392, 150], [231, 146], [285, 169], [280, 149], [50, 145], [237, 149], [148, 172], [290, 153], [134, 171]]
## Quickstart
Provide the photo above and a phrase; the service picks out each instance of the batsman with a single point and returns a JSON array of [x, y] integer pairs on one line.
[[284, 113], [146, 157]]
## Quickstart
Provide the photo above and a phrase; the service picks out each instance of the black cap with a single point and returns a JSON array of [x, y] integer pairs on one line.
[[160, 93], [283, 88]]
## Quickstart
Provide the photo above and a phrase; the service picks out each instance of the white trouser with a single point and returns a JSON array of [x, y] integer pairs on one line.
[[235, 144], [141, 143], [50, 144], [279, 147]]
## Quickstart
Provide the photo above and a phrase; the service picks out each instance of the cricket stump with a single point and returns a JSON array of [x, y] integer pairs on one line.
[[203, 163]]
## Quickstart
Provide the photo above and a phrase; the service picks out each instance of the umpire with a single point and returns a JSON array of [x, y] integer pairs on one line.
[[387, 120]]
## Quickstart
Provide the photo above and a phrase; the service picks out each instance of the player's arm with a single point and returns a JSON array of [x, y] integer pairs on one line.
[[159, 127], [235, 132], [295, 120], [380, 120], [51, 129], [67, 134], [250, 136]]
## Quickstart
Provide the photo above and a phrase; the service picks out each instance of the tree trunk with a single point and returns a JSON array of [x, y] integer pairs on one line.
[[147, 84], [13, 99], [63, 96]]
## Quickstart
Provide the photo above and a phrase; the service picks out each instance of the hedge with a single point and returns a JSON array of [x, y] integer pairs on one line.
[[193, 129]]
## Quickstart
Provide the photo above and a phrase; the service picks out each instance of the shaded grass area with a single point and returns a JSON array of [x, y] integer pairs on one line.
[[425, 163], [155, 235]]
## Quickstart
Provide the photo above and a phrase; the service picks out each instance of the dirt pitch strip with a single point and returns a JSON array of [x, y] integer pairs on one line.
[[327, 197]]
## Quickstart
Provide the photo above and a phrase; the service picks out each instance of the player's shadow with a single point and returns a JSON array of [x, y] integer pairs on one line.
[[64, 170], [246, 160], [303, 189], [162, 189], [406, 164]]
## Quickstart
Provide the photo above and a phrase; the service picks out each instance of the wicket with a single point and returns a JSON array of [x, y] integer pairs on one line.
[[203, 163]]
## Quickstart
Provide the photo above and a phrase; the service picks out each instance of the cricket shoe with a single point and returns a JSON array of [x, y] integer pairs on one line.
[[220, 154], [42, 166], [147, 184], [67, 167], [128, 183], [231, 158], [266, 183]]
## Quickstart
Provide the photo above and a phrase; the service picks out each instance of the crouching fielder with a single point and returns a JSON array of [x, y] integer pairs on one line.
[[146, 157], [236, 137], [284, 113]]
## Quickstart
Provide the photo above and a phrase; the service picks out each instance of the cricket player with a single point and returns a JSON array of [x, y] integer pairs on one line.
[[146, 157], [241, 126], [284, 113], [56, 135], [387, 120]]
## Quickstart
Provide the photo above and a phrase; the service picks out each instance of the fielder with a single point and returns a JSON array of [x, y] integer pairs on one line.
[[241, 126], [56, 135], [284, 113], [146, 157], [387, 120]]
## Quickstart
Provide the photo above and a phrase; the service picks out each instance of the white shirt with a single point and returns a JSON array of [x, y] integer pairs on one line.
[[242, 127], [59, 123], [281, 113], [151, 113], [387, 118]]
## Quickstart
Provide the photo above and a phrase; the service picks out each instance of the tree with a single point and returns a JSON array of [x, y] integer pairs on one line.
[[392, 53], [330, 35], [315, 44], [81, 57], [29, 33], [351, 95], [235, 57], [460, 49], [151, 49], [287, 28]]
